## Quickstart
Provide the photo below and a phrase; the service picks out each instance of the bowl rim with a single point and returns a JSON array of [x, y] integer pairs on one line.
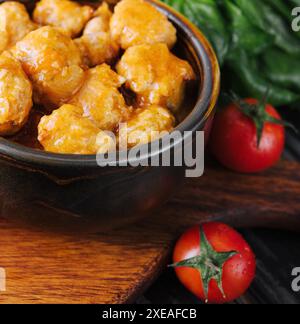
[[206, 101]]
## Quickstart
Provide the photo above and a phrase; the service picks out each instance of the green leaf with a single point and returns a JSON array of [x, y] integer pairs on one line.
[[282, 69], [281, 7], [294, 3], [264, 17], [252, 11], [247, 80], [285, 38], [206, 15], [244, 35]]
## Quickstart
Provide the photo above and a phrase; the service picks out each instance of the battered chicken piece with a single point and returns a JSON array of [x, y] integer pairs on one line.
[[96, 44], [67, 15], [66, 131], [145, 126], [3, 34], [15, 23], [53, 63], [105, 14], [136, 22], [100, 99], [15, 95], [155, 75]]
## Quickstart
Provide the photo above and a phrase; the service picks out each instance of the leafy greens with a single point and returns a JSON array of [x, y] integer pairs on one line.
[[254, 42]]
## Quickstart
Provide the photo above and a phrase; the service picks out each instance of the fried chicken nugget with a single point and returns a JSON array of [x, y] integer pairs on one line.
[[67, 15], [146, 125], [96, 44], [156, 75], [100, 99], [105, 14], [15, 24], [53, 63], [136, 22], [66, 131], [15, 95]]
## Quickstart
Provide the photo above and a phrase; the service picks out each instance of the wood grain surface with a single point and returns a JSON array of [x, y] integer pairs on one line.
[[116, 267]]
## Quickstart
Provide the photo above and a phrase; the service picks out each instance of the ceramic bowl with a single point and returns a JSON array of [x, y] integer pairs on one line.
[[72, 193]]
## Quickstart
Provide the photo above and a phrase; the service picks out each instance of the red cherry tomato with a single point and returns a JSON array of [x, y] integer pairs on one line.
[[192, 263], [234, 140]]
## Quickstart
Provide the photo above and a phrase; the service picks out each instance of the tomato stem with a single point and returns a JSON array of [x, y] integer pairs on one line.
[[209, 263], [258, 114]]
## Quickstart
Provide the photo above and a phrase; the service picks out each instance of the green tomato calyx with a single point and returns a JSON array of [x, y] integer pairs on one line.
[[209, 263], [258, 114]]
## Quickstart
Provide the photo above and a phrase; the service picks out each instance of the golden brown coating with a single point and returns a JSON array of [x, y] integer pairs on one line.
[[96, 44], [67, 15], [136, 22], [146, 125], [15, 23], [3, 34], [100, 99], [53, 63], [105, 14], [66, 131], [15, 95], [156, 75]]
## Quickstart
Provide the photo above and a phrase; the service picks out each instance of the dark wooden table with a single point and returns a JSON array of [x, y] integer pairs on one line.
[[117, 267], [278, 252]]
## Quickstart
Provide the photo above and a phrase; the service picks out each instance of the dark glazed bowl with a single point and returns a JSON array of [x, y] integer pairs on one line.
[[72, 193]]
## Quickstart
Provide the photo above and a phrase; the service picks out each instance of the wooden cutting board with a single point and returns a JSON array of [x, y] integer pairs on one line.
[[118, 266]]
